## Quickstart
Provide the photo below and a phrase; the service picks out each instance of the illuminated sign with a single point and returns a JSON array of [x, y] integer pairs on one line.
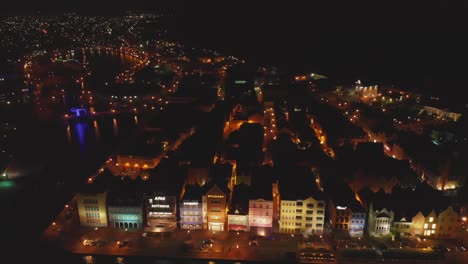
[[160, 198], [78, 111], [240, 82], [341, 207], [190, 203], [160, 205]]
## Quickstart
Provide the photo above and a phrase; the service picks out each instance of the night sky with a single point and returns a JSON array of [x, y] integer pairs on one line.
[[415, 45]]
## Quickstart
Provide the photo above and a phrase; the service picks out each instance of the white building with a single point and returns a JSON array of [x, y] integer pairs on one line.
[[380, 222]]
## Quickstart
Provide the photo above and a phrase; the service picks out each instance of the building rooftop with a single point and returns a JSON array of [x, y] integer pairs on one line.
[[240, 199], [124, 199], [193, 192]]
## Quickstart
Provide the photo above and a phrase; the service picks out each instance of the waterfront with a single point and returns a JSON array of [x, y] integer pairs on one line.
[[52, 158]]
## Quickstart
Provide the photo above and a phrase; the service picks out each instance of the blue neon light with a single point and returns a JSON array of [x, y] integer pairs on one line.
[[79, 112]]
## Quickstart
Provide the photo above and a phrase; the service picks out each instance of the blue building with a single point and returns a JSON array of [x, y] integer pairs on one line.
[[191, 208], [358, 222]]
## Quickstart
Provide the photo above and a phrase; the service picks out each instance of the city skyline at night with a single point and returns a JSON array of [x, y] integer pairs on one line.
[[237, 132]]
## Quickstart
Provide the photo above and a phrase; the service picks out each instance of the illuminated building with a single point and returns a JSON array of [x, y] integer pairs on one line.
[[160, 213], [430, 224], [261, 216], [302, 216], [214, 209], [366, 92], [191, 208], [238, 214], [402, 227], [238, 221], [191, 214], [125, 211], [380, 221], [448, 223], [417, 224], [358, 222], [340, 217], [441, 113], [92, 209], [132, 166]]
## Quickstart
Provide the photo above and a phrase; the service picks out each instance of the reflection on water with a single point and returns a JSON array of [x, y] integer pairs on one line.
[[136, 119], [89, 260], [115, 126], [119, 260], [105, 130], [69, 136], [102, 259], [80, 129], [96, 130]]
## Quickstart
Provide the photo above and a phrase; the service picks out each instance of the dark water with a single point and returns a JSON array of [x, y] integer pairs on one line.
[[146, 260], [53, 158]]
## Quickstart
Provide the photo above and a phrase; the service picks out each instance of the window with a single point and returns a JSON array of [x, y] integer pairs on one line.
[[431, 219], [319, 211], [309, 211], [309, 218], [310, 205], [320, 205], [298, 223], [425, 226], [433, 226], [319, 218], [298, 217], [299, 211], [299, 204], [318, 225], [308, 225]]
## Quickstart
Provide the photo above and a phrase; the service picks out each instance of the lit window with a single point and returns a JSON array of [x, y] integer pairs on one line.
[[433, 226], [431, 219], [425, 226], [433, 232]]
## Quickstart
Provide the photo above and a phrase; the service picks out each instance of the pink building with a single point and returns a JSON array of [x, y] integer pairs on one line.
[[261, 216]]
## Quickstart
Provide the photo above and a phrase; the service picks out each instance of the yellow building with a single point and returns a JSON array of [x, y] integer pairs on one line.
[[92, 209], [430, 224], [448, 223], [402, 227], [302, 216], [417, 224]]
